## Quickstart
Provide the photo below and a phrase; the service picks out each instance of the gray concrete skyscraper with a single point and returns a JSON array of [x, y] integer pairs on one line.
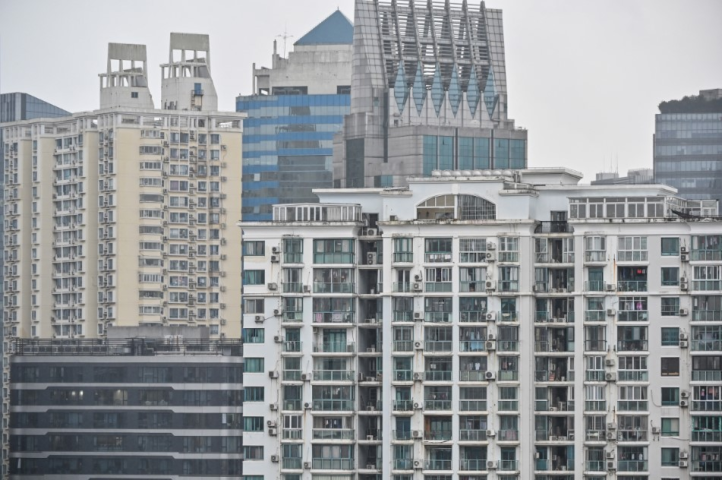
[[428, 92]]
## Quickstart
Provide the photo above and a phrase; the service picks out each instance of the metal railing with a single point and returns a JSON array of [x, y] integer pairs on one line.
[[467, 435], [329, 287], [472, 405], [126, 347], [333, 434], [707, 315], [632, 286]]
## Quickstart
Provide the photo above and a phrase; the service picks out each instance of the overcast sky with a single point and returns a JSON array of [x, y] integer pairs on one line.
[[585, 77]]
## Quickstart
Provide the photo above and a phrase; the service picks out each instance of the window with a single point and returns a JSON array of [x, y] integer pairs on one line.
[[333, 251], [253, 394], [438, 250], [670, 307], [253, 365], [253, 424], [670, 457], [133, 94], [472, 250], [670, 427], [670, 367], [254, 277], [670, 247], [670, 337], [254, 248], [632, 249], [670, 276], [670, 396], [403, 250], [509, 249], [253, 335], [252, 453], [253, 305]]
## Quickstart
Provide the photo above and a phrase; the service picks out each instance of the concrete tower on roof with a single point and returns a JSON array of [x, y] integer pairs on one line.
[[187, 82], [125, 83]]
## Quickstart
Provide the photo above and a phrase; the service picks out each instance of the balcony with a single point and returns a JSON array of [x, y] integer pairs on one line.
[[334, 347], [472, 405], [595, 345], [437, 375], [437, 405], [292, 347], [292, 375], [292, 287], [290, 463], [508, 465], [472, 346], [595, 256], [595, 406], [403, 376], [340, 405], [334, 375], [632, 466], [400, 316], [437, 435], [437, 317], [293, 317], [326, 287], [472, 464], [437, 287], [334, 317], [633, 316], [706, 436], [555, 258], [706, 285], [507, 435], [708, 465], [548, 465], [544, 316], [402, 287], [438, 465], [333, 258], [707, 315], [402, 435], [706, 406], [479, 435], [333, 434], [594, 286], [293, 257], [293, 434], [594, 316], [333, 464], [471, 287], [507, 345], [595, 436], [632, 286], [508, 376], [595, 466], [632, 405], [403, 406], [632, 376], [508, 286], [508, 406], [553, 227], [403, 257], [403, 346], [706, 255], [403, 464], [632, 436], [472, 317]]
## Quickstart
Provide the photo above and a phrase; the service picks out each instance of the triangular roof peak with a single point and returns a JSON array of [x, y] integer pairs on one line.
[[337, 29]]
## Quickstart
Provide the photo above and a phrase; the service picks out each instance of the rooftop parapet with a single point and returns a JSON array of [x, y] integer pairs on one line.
[[125, 81]]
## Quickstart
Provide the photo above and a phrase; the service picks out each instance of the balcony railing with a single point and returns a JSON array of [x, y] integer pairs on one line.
[[554, 227], [595, 345], [706, 345], [292, 287], [706, 285], [438, 375], [466, 435], [402, 435], [633, 316], [290, 463], [472, 376], [706, 436], [594, 316], [334, 375], [507, 345], [403, 376], [472, 464], [403, 257], [333, 464], [595, 256], [596, 435], [292, 375], [508, 375], [544, 316], [632, 345], [632, 285], [326, 258], [334, 317], [403, 405], [293, 257], [333, 405], [403, 345], [333, 434], [403, 464], [472, 317], [472, 287], [706, 255], [293, 316], [632, 405], [400, 316], [437, 405], [437, 435], [707, 315], [437, 287], [472, 346], [438, 464], [632, 435], [401, 287], [595, 466], [508, 465], [291, 347], [508, 317], [706, 405], [594, 286], [707, 465], [327, 287], [706, 375], [545, 464], [508, 405], [632, 466], [436, 346], [632, 376], [334, 347], [292, 433], [508, 286], [472, 405], [508, 435], [595, 406], [437, 317], [594, 375]]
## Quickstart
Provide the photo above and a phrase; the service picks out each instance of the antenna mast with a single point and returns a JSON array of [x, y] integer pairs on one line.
[[285, 37]]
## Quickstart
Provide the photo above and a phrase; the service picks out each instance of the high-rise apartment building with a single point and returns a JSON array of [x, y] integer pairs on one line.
[[435, 332], [123, 216], [296, 107], [688, 145], [15, 107], [148, 402], [429, 92]]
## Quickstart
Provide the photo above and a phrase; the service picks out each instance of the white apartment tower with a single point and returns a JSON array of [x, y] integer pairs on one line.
[[123, 216], [187, 82], [435, 332]]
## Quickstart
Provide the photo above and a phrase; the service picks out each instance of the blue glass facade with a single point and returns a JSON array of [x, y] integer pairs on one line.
[[287, 148]]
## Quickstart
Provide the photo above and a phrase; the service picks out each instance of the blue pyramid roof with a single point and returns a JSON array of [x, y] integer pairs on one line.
[[335, 30]]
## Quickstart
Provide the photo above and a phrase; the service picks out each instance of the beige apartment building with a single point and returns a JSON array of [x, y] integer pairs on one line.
[[124, 216]]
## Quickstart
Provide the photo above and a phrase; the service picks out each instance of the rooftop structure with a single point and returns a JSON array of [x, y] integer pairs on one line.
[[186, 78]]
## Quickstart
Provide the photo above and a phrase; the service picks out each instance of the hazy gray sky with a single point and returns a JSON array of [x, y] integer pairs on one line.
[[585, 77]]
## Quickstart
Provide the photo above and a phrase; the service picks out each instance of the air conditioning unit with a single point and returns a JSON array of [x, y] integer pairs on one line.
[[684, 257], [418, 345], [416, 434], [683, 312], [275, 250], [223, 321], [683, 455], [611, 466], [417, 287], [418, 406], [683, 464], [490, 246], [273, 374], [417, 278], [491, 336], [609, 455], [611, 436], [611, 312], [371, 258], [683, 336], [273, 287], [491, 285], [490, 257], [278, 339], [611, 287], [611, 426], [275, 259], [305, 377], [371, 232], [306, 289], [490, 464], [259, 319], [418, 377], [418, 465], [273, 407], [491, 316], [684, 394], [610, 377], [683, 344], [684, 403], [307, 465], [683, 250], [307, 406], [609, 362], [489, 375], [275, 458], [684, 285], [656, 431], [490, 346]]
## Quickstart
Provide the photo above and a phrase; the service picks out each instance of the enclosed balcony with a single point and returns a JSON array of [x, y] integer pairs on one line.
[[553, 369], [438, 369], [632, 339], [633, 309], [554, 459], [438, 458], [554, 280], [472, 428], [632, 279], [707, 339], [333, 428], [632, 428], [472, 369], [553, 399], [554, 340], [554, 428]]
